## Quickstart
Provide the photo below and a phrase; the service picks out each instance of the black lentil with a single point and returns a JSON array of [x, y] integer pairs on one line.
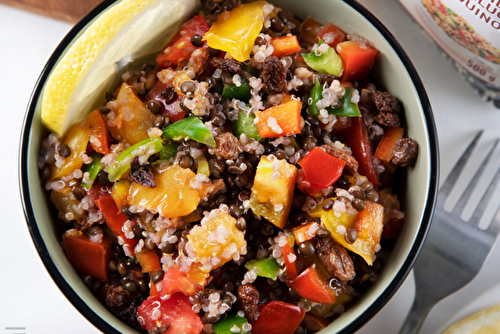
[[64, 150], [158, 121], [157, 276], [351, 235], [188, 87], [276, 24], [359, 204], [307, 248], [328, 204], [154, 106], [186, 162], [169, 95], [197, 40]]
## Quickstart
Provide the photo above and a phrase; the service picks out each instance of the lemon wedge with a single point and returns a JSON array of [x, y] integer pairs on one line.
[[483, 322], [127, 31]]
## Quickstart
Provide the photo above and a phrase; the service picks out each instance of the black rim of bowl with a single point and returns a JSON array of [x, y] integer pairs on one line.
[[95, 319]]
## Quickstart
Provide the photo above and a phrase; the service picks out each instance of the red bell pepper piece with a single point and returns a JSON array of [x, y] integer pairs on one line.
[[88, 257], [175, 280], [179, 49], [358, 59], [385, 148], [288, 254], [148, 259], [321, 169], [305, 232], [176, 311], [173, 110], [115, 220], [99, 133], [356, 137], [277, 317], [311, 285], [330, 34]]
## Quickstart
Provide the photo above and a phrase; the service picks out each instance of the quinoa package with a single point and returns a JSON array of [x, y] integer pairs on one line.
[[469, 32], [241, 182]]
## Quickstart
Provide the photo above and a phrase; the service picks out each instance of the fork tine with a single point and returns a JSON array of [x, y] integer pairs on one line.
[[488, 203], [481, 182], [452, 189]]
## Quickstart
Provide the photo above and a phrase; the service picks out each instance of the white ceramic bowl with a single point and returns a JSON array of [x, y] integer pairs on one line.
[[395, 73]]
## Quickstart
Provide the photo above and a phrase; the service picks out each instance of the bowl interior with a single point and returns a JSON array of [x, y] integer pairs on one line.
[[418, 190]]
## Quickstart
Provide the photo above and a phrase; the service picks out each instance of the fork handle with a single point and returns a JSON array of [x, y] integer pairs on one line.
[[415, 318]]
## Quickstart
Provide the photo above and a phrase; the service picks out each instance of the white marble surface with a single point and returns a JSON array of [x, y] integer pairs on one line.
[[28, 297]]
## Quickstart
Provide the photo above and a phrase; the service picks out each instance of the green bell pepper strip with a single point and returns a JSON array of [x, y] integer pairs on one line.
[[168, 151], [265, 267], [93, 168], [328, 62], [315, 96], [245, 124], [226, 326], [146, 147], [241, 92], [190, 128], [348, 108]]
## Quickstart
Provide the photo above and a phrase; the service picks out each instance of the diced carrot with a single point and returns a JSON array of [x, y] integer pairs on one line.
[[280, 120], [88, 257], [115, 220], [99, 134], [148, 259], [288, 256], [285, 45], [305, 232], [385, 148]]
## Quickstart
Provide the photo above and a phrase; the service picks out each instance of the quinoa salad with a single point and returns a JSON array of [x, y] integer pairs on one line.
[[241, 182]]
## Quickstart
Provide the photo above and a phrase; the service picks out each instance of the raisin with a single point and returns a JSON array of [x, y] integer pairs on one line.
[[274, 75], [143, 175]]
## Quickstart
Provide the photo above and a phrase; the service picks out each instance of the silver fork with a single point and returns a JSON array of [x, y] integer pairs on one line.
[[454, 250]]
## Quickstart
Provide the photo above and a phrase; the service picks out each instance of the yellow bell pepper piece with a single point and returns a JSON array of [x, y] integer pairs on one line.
[[235, 31], [368, 223]]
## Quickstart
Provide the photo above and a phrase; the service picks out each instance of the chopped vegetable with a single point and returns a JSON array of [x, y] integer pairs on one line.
[[125, 128], [285, 45], [312, 286], [175, 280], [330, 34], [88, 257], [241, 92], [305, 232], [272, 191], [119, 192], [93, 169], [321, 169], [179, 49], [368, 224], [267, 267], [77, 139], [148, 259], [115, 219], [348, 107], [385, 148], [145, 148], [175, 312], [168, 151], [356, 138], [229, 325], [235, 31], [172, 197], [324, 59], [245, 124], [289, 258], [281, 120], [190, 128], [66, 203], [309, 31], [278, 317], [99, 134], [358, 59]]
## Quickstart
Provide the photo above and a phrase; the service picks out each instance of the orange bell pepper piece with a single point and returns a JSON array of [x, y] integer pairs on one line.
[[305, 232], [358, 59], [280, 120], [148, 259], [385, 148], [99, 134], [285, 45]]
